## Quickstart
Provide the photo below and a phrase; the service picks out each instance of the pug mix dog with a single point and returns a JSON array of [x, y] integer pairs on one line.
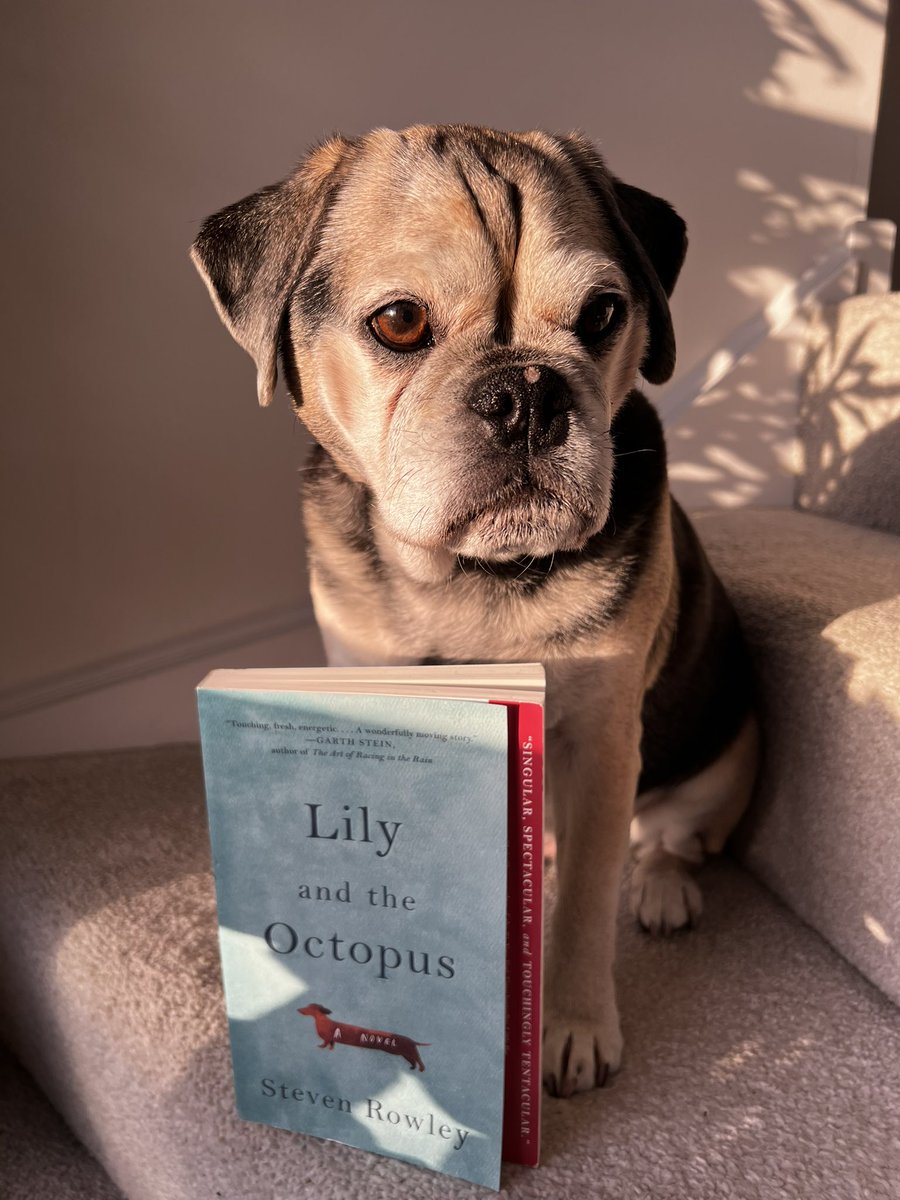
[[460, 315]]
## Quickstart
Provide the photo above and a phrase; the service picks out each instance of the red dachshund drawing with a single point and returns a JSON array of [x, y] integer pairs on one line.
[[332, 1032]]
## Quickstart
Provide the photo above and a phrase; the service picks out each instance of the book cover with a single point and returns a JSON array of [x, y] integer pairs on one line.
[[361, 846]]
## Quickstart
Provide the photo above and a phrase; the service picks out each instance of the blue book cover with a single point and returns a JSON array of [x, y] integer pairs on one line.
[[360, 852]]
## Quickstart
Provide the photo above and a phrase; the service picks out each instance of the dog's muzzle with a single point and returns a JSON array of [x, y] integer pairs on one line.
[[527, 408]]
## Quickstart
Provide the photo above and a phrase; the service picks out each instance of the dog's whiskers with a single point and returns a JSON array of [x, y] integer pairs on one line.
[[527, 567], [393, 491], [462, 568]]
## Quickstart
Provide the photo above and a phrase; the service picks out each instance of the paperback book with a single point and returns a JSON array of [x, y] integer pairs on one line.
[[377, 839]]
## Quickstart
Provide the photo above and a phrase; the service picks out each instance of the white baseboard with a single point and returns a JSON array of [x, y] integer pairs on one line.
[[147, 696], [150, 660], [142, 705]]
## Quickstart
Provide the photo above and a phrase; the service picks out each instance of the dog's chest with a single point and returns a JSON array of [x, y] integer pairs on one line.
[[375, 611], [370, 614]]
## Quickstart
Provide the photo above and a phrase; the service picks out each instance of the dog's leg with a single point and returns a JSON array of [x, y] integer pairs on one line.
[[673, 828], [594, 764]]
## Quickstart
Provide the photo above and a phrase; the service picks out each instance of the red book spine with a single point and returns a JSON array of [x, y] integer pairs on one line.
[[522, 1089]]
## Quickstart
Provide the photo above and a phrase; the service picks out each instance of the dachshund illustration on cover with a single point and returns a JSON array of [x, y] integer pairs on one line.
[[331, 1032]]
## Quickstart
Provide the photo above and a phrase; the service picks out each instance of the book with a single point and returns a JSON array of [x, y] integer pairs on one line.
[[377, 840]]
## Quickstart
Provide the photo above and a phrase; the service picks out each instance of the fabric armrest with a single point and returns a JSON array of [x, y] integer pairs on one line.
[[819, 602]]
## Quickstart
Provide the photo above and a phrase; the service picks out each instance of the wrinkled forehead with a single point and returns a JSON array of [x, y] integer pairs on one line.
[[450, 220]]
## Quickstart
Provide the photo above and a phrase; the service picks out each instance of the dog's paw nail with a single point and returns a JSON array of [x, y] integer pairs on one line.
[[580, 1055], [601, 1069]]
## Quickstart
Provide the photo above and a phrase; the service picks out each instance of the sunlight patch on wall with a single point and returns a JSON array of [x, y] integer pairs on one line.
[[823, 70], [760, 282], [688, 472], [733, 462]]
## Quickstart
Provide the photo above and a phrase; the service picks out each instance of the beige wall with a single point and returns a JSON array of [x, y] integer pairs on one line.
[[144, 496]]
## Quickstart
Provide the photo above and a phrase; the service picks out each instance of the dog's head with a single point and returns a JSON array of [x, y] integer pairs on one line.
[[312, 1009], [458, 312]]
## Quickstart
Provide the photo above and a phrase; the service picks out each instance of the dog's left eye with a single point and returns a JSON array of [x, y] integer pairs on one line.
[[402, 325], [599, 317]]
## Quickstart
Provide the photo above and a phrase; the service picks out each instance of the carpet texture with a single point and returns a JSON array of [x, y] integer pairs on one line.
[[39, 1157], [759, 1065]]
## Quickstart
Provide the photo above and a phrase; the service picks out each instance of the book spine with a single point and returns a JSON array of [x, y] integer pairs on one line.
[[522, 1091]]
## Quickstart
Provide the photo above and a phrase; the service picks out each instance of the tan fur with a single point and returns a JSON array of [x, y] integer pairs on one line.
[[674, 828], [398, 438], [405, 223]]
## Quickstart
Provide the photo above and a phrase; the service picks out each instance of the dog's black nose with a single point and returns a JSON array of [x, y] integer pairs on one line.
[[526, 407]]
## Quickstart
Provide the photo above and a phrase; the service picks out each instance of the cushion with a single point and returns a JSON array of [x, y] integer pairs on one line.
[[39, 1156], [820, 605], [849, 424], [755, 1057]]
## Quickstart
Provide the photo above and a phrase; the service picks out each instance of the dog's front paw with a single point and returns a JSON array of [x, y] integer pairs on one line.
[[664, 897], [579, 1055]]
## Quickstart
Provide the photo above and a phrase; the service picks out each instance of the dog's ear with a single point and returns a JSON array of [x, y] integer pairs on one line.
[[658, 228], [324, 1010], [251, 254], [653, 239]]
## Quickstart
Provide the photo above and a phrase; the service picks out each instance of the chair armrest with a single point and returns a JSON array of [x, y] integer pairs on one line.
[[819, 602]]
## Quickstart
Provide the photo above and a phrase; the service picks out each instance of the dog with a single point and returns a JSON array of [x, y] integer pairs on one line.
[[332, 1032], [460, 315]]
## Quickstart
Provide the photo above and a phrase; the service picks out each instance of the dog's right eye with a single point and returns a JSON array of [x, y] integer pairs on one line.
[[402, 325]]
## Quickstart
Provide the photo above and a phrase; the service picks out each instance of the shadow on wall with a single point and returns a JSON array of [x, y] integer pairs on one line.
[[156, 499], [850, 415], [738, 445], [741, 436], [805, 85]]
